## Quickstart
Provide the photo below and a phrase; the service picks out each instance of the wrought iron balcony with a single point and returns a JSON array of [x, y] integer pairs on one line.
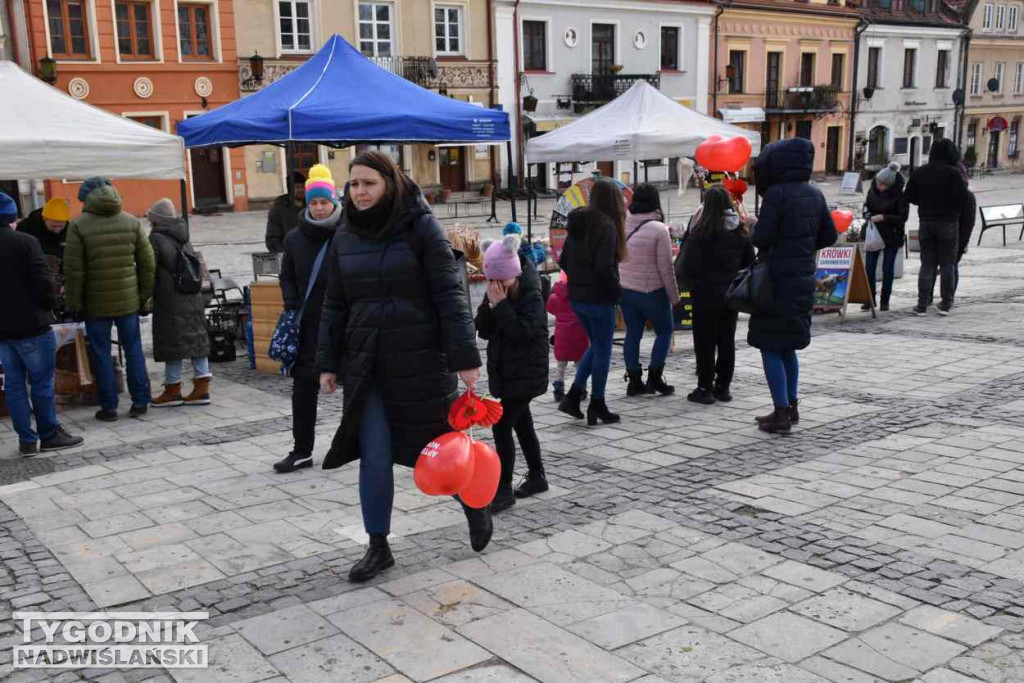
[[420, 70], [818, 98], [601, 88]]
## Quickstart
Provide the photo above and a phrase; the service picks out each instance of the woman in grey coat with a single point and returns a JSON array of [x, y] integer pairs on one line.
[[179, 319]]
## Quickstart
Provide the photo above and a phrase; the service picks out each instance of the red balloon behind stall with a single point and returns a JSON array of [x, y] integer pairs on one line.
[[842, 219]]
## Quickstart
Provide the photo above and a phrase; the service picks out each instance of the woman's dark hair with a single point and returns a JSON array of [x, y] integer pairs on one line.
[[606, 203], [646, 199], [399, 189], [712, 216]]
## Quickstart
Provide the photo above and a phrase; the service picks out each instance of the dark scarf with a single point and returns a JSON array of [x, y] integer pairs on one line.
[[373, 223]]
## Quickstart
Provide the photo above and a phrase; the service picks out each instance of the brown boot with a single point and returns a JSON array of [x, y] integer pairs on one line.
[[169, 398], [200, 395]]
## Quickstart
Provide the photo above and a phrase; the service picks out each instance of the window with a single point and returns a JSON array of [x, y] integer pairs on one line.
[[69, 31], [535, 46], [909, 66], [393, 151], [773, 80], [1012, 149], [295, 25], [987, 21], [194, 32], [807, 69], [901, 146], [874, 66], [1012, 17], [670, 48], [375, 29], [804, 129], [1018, 79], [976, 79], [737, 64], [448, 30], [838, 70], [972, 133], [942, 69], [134, 29], [998, 75], [151, 121], [926, 145], [1000, 17], [602, 48]]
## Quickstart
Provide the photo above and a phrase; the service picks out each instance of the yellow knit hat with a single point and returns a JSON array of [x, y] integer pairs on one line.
[[57, 210]]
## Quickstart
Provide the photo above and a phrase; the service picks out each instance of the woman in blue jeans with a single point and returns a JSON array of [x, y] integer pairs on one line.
[[886, 209], [649, 290], [595, 246]]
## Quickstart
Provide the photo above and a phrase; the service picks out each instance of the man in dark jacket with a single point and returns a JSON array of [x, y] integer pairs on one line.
[[940, 193], [28, 348], [49, 225], [283, 216]]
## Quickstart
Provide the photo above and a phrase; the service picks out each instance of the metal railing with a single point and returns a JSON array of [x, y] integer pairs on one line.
[[420, 70], [808, 98], [593, 88]]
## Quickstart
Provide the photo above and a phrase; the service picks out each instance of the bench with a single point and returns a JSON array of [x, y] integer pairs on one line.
[[1002, 216], [467, 199]]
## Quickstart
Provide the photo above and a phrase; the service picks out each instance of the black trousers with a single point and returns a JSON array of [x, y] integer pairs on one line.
[[516, 417], [305, 393], [714, 329]]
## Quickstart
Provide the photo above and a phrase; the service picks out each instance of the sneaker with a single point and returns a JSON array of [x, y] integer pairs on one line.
[[105, 415], [920, 310], [943, 309], [294, 461], [28, 449], [60, 440], [699, 395], [138, 411]]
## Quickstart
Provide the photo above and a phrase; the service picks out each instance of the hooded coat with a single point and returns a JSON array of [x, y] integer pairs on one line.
[[938, 188], [108, 261], [179, 320], [395, 317], [892, 205], [794, 224], [51, 242]]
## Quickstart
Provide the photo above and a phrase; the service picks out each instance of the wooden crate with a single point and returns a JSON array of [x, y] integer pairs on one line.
[[267, 306]]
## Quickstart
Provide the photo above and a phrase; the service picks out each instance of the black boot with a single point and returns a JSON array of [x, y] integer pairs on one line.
[[778, 423], [480, 526], [655, 382], [294, 461], [377, 558], [570, 405], [885, 305], [558, 389], [794, 412], [535, 482], [503, 499], [636, 385], [721, 393], [598, 410]]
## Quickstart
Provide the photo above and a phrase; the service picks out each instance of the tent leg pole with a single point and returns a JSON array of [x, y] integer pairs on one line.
[[183, 187], [645, 172], [511, 180], [529, 213], [495, 185], [289, 169], [636, 173]]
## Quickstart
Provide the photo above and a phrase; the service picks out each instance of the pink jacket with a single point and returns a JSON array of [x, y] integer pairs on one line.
[[649, 266], [570, 339]]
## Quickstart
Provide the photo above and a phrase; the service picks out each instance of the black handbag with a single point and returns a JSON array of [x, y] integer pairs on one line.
[[751, 290]]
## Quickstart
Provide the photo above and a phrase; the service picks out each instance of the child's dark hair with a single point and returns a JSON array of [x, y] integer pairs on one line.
[[646, 199], [717, 203]]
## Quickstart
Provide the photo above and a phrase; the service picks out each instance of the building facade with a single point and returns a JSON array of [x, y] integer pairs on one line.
[[994, 84], [154, 61], [910, 66], [785, 69], [441, 45], [560, 59]]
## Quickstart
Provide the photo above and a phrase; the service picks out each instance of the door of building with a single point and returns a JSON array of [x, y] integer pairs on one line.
[[606, 168], [832, 150], [803, 129], [208, 186], [453, 168], [773, 88], [602, 48], [993, 149]]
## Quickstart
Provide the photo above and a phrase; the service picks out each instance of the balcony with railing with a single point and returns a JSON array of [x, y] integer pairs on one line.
[[805, 99], [602, 88], [420, 70]]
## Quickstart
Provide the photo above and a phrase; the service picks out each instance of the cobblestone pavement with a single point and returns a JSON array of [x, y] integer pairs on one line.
[[882, 541]]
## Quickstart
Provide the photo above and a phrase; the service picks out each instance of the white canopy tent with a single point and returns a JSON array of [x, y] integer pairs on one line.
[[47, 134], [642, 123]]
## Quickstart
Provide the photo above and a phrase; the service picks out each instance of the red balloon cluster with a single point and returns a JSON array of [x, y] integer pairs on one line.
[[454, 463], [737, 187], [729, 156], [842, 220]]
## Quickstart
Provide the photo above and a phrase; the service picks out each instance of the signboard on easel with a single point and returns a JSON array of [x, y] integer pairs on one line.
[[841, 279], [851, 183]]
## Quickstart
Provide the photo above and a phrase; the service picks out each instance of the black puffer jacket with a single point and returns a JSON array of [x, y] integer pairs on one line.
[[179, 320], [300, 250], [712, 261], [593, 271], [794, 224], [895, 209], [52, 242], [396, 317], [938, 188], [28, 289], [282, 218], [517, 340]]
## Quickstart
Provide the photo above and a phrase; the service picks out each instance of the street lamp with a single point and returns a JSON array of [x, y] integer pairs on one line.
[[255, 72], [48, 70]]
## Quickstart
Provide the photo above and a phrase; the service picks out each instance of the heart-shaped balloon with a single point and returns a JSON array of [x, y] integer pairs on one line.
[[842, 219], [480, 490], [736, 187], [703, 155], [730, 156], [445, 466]]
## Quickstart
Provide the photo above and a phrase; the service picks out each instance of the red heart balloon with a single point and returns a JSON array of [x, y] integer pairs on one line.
[[445, 466], [480, 490], [842, 219], [737, 187], [716, 154]]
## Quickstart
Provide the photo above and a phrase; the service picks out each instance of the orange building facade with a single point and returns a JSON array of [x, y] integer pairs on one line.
[[154, 61]]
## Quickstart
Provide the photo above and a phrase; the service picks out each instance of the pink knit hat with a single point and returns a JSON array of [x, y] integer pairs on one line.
[[501, 259]]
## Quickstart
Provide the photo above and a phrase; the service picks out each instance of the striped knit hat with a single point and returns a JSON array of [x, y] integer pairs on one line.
[[320, 185]]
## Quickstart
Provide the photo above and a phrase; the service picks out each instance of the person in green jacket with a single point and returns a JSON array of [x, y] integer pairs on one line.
[[109, 269]]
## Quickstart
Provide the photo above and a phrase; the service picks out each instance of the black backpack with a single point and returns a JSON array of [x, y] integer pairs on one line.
[[188, 270]]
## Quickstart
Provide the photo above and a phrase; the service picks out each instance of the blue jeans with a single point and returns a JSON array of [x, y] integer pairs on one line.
[[598, 322], [376, 478], [782, 370], [637, 309], [34, 360], [888, 270], [172, 370], [130, 336]]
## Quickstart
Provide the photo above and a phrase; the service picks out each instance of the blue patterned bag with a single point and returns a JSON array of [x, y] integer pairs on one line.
[[284, 345]]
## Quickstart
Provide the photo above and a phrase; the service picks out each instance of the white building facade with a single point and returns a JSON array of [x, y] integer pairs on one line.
[[572, 57]]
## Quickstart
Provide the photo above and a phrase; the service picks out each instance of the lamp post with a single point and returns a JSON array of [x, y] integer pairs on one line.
[[48, 70]]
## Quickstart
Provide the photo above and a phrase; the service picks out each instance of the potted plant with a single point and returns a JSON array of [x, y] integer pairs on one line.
[[615, 68], [487, 190]]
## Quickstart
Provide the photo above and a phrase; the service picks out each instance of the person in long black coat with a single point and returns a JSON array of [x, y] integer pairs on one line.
[[886, 208], [317, 224], [397, 327], [793, 225], [513, 320]]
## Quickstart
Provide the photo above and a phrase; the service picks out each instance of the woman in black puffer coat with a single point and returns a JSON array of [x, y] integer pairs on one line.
[[886, 208], [397, 327], [794, 224]]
